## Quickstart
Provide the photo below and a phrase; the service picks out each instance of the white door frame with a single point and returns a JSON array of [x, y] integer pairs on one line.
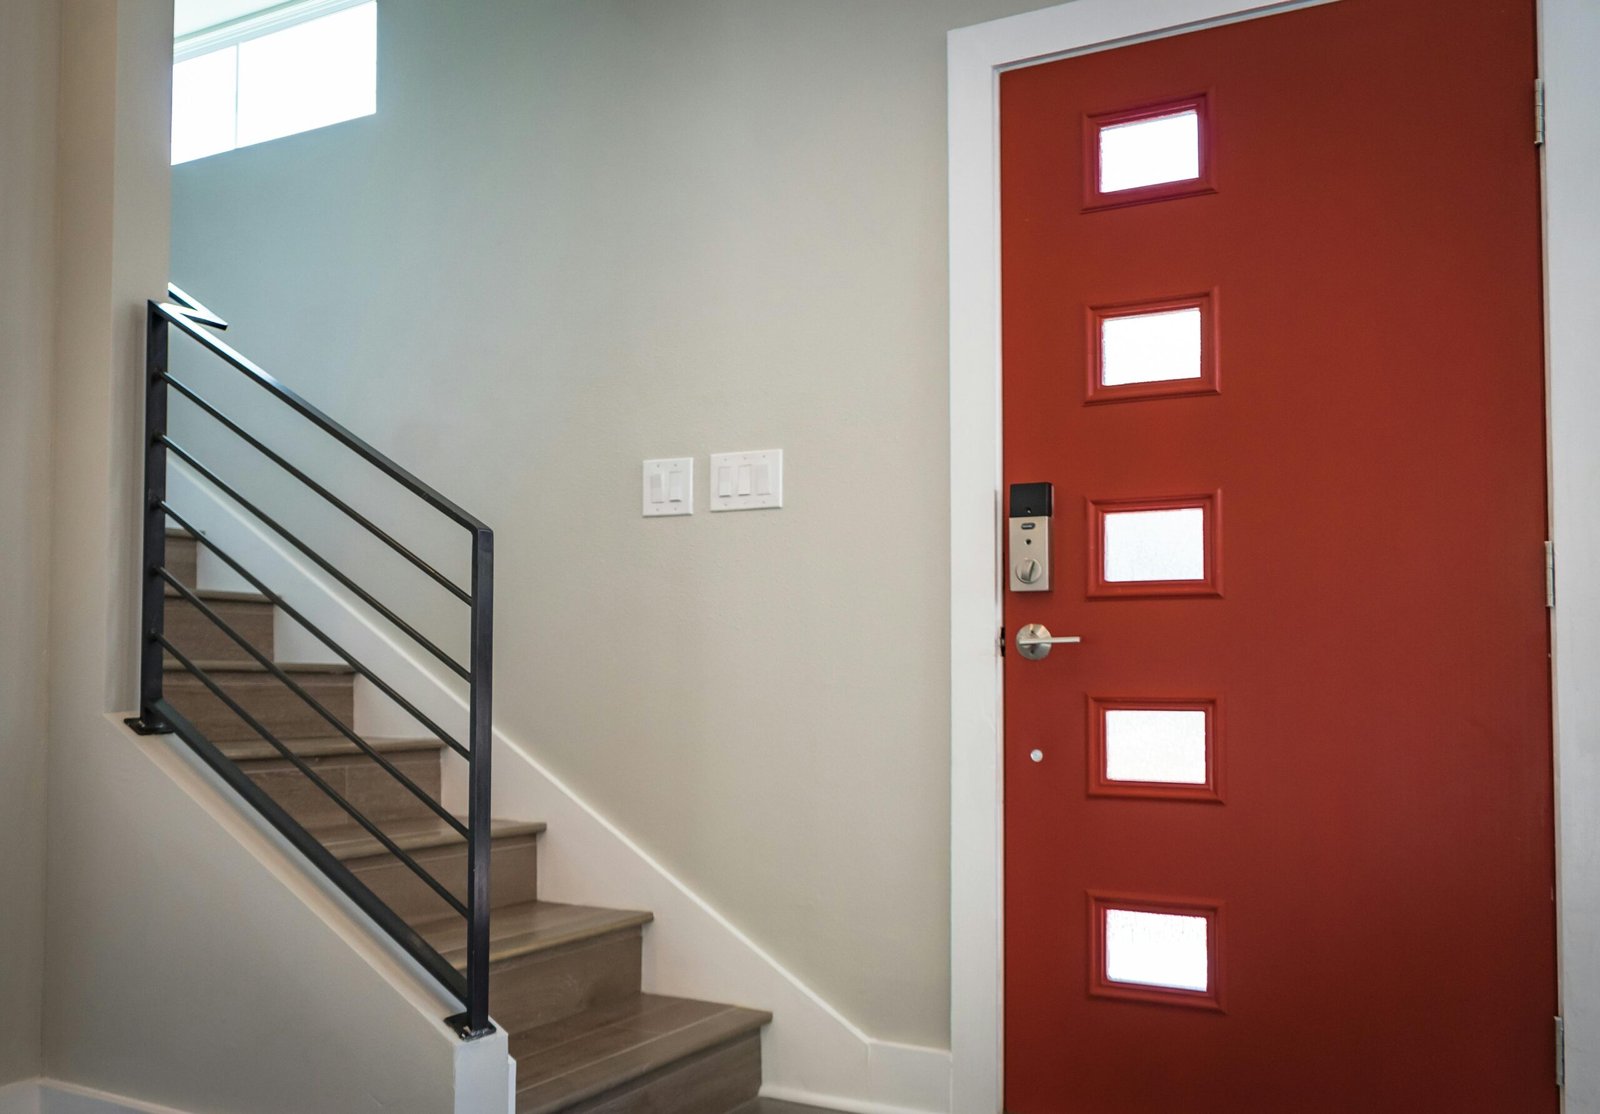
[[1569, 35]]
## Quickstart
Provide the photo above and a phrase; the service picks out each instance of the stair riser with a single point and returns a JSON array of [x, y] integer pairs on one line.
[[714, 1082], [513, 877], [358, 779], [269, 700], [182, 557], [202, 640], [549, 986]]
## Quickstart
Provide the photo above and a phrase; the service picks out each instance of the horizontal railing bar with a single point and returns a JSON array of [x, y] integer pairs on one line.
[[316, 705], [317, 632], [322, 562], [355, 814], [360, 519], [308, 845], [180, 317]]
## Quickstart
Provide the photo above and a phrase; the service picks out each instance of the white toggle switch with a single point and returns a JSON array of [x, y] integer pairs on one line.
[[669, 487], [747, 481]]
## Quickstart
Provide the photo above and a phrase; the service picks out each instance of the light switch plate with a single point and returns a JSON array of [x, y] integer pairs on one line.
[[669, 487], [749, 481]]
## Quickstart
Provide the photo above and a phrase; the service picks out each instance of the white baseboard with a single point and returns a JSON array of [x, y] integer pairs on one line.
[[49, 1096], [810, 1051]]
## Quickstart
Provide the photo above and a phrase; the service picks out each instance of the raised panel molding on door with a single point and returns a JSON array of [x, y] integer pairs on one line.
[[1157, 950], [1153, 151], [1160, 348], [1159, 748], [1169, 545]]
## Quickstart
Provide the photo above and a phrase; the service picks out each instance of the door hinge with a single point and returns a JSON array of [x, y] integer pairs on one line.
[[1538, 112], [1549, 574], [1561, 1053], [1002, 641]]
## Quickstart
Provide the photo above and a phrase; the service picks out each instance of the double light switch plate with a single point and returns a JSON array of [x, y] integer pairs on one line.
[[669, 487]]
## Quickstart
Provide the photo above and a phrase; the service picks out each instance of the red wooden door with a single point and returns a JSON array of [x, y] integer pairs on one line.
[[1279, 830]]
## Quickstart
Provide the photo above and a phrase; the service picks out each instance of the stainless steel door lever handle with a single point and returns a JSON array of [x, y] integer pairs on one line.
[[1034, 641]]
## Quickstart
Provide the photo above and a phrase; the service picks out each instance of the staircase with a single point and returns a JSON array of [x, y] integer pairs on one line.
[[564, 979]]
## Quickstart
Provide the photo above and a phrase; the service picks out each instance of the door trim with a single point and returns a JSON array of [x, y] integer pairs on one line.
[[1569, 36]]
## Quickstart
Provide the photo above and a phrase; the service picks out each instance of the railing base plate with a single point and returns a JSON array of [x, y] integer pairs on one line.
[[458, 1022], [153, 725]]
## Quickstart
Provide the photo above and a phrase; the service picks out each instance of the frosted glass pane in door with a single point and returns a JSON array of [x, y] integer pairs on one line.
[[1156, 744], [1150, 347], [1157, 949], [1150, 151], [1155, 545]]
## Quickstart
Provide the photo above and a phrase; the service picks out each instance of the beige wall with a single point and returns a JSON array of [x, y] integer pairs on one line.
[[27, 244], [577, 235]]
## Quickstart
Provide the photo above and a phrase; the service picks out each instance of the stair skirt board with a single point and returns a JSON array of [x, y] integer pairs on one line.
[[811, 1056]]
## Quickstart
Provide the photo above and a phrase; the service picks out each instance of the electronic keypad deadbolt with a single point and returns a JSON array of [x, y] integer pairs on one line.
[[1029, 536]]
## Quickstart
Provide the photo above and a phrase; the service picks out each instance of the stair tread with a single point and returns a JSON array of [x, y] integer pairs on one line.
[[213, 666], [348, 841], [778, 1106], [531, 926], [595, 1051], [219, 595], [324, 746]]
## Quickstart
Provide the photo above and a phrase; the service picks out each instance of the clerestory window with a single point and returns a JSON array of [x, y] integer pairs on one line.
[[266, 74]]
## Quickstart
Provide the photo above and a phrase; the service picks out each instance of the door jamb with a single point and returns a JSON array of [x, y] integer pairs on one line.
[[977, 55]]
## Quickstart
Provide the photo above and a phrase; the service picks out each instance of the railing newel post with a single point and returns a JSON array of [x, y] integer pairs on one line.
[[475, 1022], [153, 551]]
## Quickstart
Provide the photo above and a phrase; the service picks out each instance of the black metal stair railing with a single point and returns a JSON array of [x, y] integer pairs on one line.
[[157, 715]]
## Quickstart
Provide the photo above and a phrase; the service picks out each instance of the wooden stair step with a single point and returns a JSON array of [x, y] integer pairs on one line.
[[513, 869], [323, 746], [198, 637], [182, 555], [549, 961], [213, 666], [279, 709], [351, 842], [354, 775], [645, 1054], [437, 849], [215, 595], [532, 926]]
